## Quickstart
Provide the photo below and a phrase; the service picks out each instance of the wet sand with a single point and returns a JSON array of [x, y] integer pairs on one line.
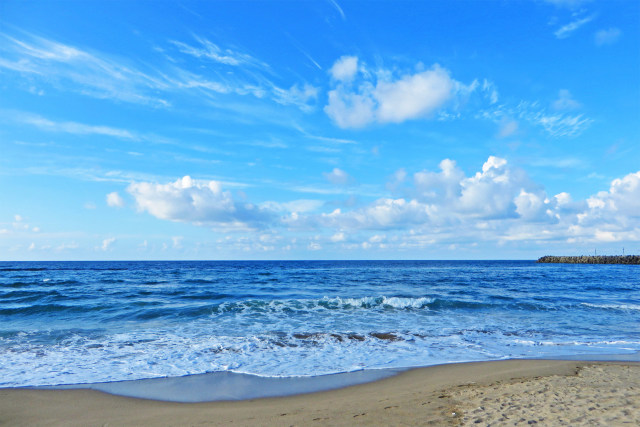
[[513, 392]]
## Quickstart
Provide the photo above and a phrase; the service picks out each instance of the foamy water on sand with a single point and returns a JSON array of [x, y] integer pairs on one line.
[[83, 322]]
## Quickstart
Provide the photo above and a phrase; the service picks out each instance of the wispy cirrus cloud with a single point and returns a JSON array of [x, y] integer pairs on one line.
[[74, 128], [104, 76], [337, 7], [211, 51], [99, 76], [561, 121], [568, 29], [245, 75]]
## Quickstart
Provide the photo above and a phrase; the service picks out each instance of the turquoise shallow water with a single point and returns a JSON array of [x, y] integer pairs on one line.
[[85, 322]]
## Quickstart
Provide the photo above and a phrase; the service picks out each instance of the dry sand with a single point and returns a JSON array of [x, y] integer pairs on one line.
[[515, 392]]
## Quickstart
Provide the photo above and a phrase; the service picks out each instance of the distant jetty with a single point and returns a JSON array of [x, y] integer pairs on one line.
[[597, 259]]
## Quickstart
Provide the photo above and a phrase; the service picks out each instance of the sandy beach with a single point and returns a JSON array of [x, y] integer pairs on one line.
[[514, 392]]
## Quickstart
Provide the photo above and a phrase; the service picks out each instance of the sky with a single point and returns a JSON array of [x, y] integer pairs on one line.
[[153, 130]]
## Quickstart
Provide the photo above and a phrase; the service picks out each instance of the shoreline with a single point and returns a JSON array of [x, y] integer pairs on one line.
[[235, 386], [451, 394]]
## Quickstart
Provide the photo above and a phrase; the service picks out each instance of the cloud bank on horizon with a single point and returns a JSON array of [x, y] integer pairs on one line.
[[322, 130]]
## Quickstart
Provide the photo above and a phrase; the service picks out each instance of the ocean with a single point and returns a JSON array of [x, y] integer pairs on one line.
[[88, 322]]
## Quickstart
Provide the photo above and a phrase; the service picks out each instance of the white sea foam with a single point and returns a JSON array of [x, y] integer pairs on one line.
[[613, 306]]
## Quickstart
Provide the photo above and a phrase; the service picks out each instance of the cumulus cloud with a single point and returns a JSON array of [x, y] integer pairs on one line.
[[115, 200], [361, 97], [610, 36], [345, 68], [497, 203], [622, 198], [200, 203], [449, 198], [413, 96]]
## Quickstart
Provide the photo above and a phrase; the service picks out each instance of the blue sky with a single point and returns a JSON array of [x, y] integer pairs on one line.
[[319, 129]]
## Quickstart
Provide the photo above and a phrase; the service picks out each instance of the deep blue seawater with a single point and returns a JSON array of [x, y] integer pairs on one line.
[[80, 322]]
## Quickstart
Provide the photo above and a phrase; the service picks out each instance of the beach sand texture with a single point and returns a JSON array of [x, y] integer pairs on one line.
[[514, 392]]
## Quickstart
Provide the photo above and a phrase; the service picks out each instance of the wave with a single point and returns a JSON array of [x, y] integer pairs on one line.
[[618, 307], [194, 305], [377, 303], [49, 309]]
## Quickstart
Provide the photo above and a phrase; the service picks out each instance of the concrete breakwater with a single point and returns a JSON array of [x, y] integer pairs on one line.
[[592, 259]]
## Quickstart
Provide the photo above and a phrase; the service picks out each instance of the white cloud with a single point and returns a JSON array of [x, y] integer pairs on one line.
[[565, 101], [300, 97], [490, 90], [337, 177], [622, 199], [448, 199], [338, 237], [197, 202], [339, 9], [413, 96], [345, 68], [72, 127], [314, 246], [115, 200], [557, 123], [605, 37], [92, 75], [562, 125], [361, 97], [568, 29], [107, 243], [500, 203], [491, 193], [213, 52], [104, 76], [444, 185], [350, 110]]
